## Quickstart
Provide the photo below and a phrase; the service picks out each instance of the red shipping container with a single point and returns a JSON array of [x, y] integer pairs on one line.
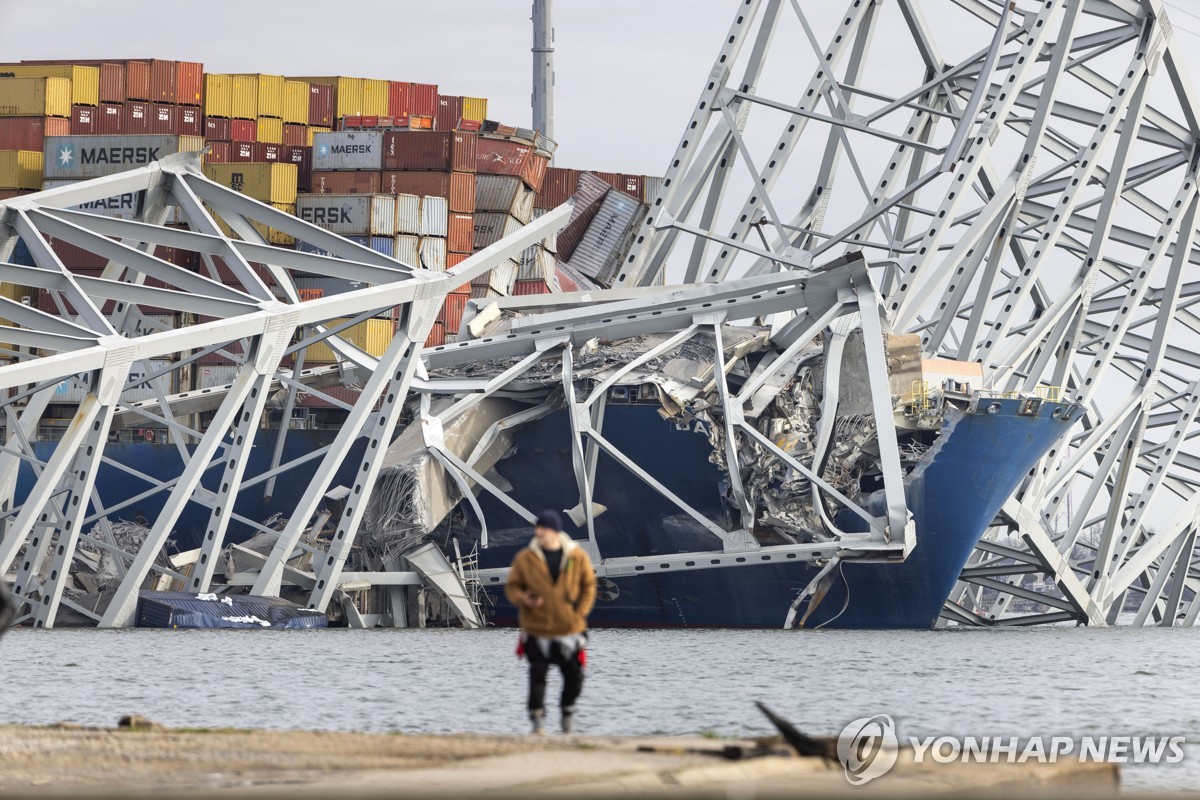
[[457, 187], [557, 187], [9, 194], [320, 105], [109, 119], [453, 260], [460, 233], [190, 121], [632, 185], [501, 157], [295, 135], [83, 120], [398, 98], [470, 125], [422, 99], [352, 121], [326, 182], [243, 130], [218, 152], [400, 122], [216, 129], [164, 118], [302, 158], [369, 122], [137, 80], [136, 119], [453, 308], [163, 80], [243, 151], [535, 171], [449, 112], [530, 287], [429, 150], [112, 83], [265, 151], [29, 133], [189, 83], [437, 335]]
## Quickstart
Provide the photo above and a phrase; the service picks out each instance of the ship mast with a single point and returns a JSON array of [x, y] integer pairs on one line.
[[543, 68]]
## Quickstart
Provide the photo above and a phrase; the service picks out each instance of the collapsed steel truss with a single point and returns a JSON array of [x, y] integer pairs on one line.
[[1030, 205], [244, 320]]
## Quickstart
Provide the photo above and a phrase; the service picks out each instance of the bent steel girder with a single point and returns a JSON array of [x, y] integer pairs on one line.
[[145, 325], [1024, 178]]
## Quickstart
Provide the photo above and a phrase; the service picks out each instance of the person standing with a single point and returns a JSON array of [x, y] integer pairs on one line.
[[553, 585]]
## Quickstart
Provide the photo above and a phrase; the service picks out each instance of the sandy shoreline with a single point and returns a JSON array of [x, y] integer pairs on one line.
[[69, 760]]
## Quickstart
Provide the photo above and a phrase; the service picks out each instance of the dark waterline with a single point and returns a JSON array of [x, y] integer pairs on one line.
[[1008, 682]]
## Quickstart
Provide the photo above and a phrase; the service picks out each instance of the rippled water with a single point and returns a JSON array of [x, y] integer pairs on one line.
[[1014, 682]]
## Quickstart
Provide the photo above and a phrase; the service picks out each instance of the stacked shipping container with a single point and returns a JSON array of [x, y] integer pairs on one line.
[[449, 181]]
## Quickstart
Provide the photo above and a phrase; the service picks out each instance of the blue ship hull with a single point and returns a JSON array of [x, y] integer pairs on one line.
[[953, 497], [121, 491]]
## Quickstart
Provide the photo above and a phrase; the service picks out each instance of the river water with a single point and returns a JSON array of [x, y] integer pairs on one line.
[[1059, 681]]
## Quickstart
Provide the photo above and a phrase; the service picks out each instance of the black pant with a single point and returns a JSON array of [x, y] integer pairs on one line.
[[539, 665]]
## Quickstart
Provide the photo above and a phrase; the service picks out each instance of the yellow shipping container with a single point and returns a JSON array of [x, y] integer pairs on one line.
[[375, 98], [35, 97], [314, 130], [218, 95], [85, 81], [20, 169], [269, 183], [270, 94], [245, 97], [295, 102], [19, 293], [372, 337], [272, 235], [474, 108], [270, 130]]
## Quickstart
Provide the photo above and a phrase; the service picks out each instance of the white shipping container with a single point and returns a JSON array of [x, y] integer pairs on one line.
[[350, 214], [80, 157], [348, 150], [537, 264], [492, 226], [408, 213], [408, 250], [211, 375], [433, 253], [604, 240], [504, 193], [435, 216], [122, 206], [551, 241], [74, 391], [499, 279]]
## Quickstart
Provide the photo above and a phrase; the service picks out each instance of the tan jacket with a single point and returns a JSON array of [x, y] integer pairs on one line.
[[568, 601]]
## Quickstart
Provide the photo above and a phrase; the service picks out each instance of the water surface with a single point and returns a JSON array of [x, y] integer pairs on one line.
[[1008, 682]]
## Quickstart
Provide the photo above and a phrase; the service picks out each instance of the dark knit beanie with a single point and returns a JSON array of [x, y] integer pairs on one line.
[[549, 519]]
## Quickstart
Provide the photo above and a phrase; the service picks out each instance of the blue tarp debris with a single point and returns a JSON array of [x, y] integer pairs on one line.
[[183, 610]]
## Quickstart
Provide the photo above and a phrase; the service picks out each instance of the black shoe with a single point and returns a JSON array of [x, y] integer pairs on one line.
[[568, 720]]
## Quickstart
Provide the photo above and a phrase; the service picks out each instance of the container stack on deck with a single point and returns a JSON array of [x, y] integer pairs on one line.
[[393, 165]]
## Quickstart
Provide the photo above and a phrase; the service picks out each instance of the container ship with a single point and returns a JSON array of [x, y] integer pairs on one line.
[[427, 178]]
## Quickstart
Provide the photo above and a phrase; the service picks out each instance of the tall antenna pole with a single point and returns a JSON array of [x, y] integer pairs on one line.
[[543, 67]]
